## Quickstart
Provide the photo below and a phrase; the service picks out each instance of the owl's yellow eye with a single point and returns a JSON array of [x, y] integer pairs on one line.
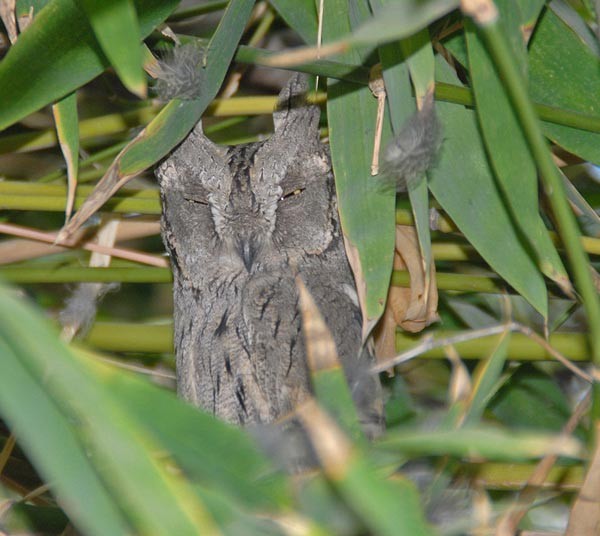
[[291, 194], [194, 199]]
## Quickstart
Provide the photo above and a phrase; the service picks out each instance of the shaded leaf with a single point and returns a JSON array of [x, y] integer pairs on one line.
[[366, 210], [507, 147], [60, 49], [463, 184], [572, 84], [117, 30], [300, 15], [517, 403]]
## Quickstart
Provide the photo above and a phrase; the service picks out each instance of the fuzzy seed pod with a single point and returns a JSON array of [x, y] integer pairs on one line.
[[180, 73], [414, 150]]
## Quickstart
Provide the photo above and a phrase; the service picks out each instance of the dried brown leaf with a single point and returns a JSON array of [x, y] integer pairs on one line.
[[321, 352], [411, 308], [331, 446], [585, 514]]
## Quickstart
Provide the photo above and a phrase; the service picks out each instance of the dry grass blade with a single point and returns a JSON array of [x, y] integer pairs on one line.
[[7, 14], [331, 446], [585, 514], [108, 185], [320, 347], [305, 54]]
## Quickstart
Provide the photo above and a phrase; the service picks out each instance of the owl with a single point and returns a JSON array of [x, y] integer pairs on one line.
[[240, 224]]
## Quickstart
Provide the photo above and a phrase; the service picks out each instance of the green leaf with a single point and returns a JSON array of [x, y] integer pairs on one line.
[[508, 150], [300, 15], [478, 442], [565, 73], [530, 10], [66, 120], [154, 498], [398, 20], [366, 210], [486, 381], [531, 400], [57, 54], [387, 507], [22, 7], [225, 459], [463, 184], [42, 428], [174, 121], [117, 30]]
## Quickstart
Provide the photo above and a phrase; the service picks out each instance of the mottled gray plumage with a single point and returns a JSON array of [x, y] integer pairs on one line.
[[239, 224]]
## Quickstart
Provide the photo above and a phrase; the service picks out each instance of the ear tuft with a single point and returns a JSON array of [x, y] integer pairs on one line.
[[294, 117]]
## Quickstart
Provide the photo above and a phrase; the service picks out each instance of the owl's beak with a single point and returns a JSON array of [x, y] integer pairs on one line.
[[247, 250]]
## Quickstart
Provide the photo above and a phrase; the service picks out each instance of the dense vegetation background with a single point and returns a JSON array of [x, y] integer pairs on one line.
[[483, 284]]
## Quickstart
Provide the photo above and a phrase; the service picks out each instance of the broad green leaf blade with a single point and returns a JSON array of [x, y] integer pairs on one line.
[[398, 20], [565, 73], [479, 442], [366, 210], [225, 459], [41, 427], [384, 507], [508, 150], [486, 381], [23, 6], [59, 53], [155, 499], [117, 30], [530, 10], [66, 120], [519, 401], [301, 16], [463, 184], [174, 121]]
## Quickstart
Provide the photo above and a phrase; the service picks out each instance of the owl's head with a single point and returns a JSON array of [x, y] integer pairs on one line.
[[255, 206]]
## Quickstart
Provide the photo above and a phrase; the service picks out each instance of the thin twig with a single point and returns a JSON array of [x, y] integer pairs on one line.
[[429, 343], [50, 238]]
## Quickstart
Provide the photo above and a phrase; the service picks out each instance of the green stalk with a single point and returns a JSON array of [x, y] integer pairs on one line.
[[157, 338], [455, 282], [84, 274], [520, 347], [515, 86], [17, 195]]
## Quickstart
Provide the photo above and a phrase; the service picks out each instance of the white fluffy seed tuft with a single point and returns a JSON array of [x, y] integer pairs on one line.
[[180, 73], [414, 150]]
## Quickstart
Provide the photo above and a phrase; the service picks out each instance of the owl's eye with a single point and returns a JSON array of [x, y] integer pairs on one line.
[[291, 194], [195, 199]]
